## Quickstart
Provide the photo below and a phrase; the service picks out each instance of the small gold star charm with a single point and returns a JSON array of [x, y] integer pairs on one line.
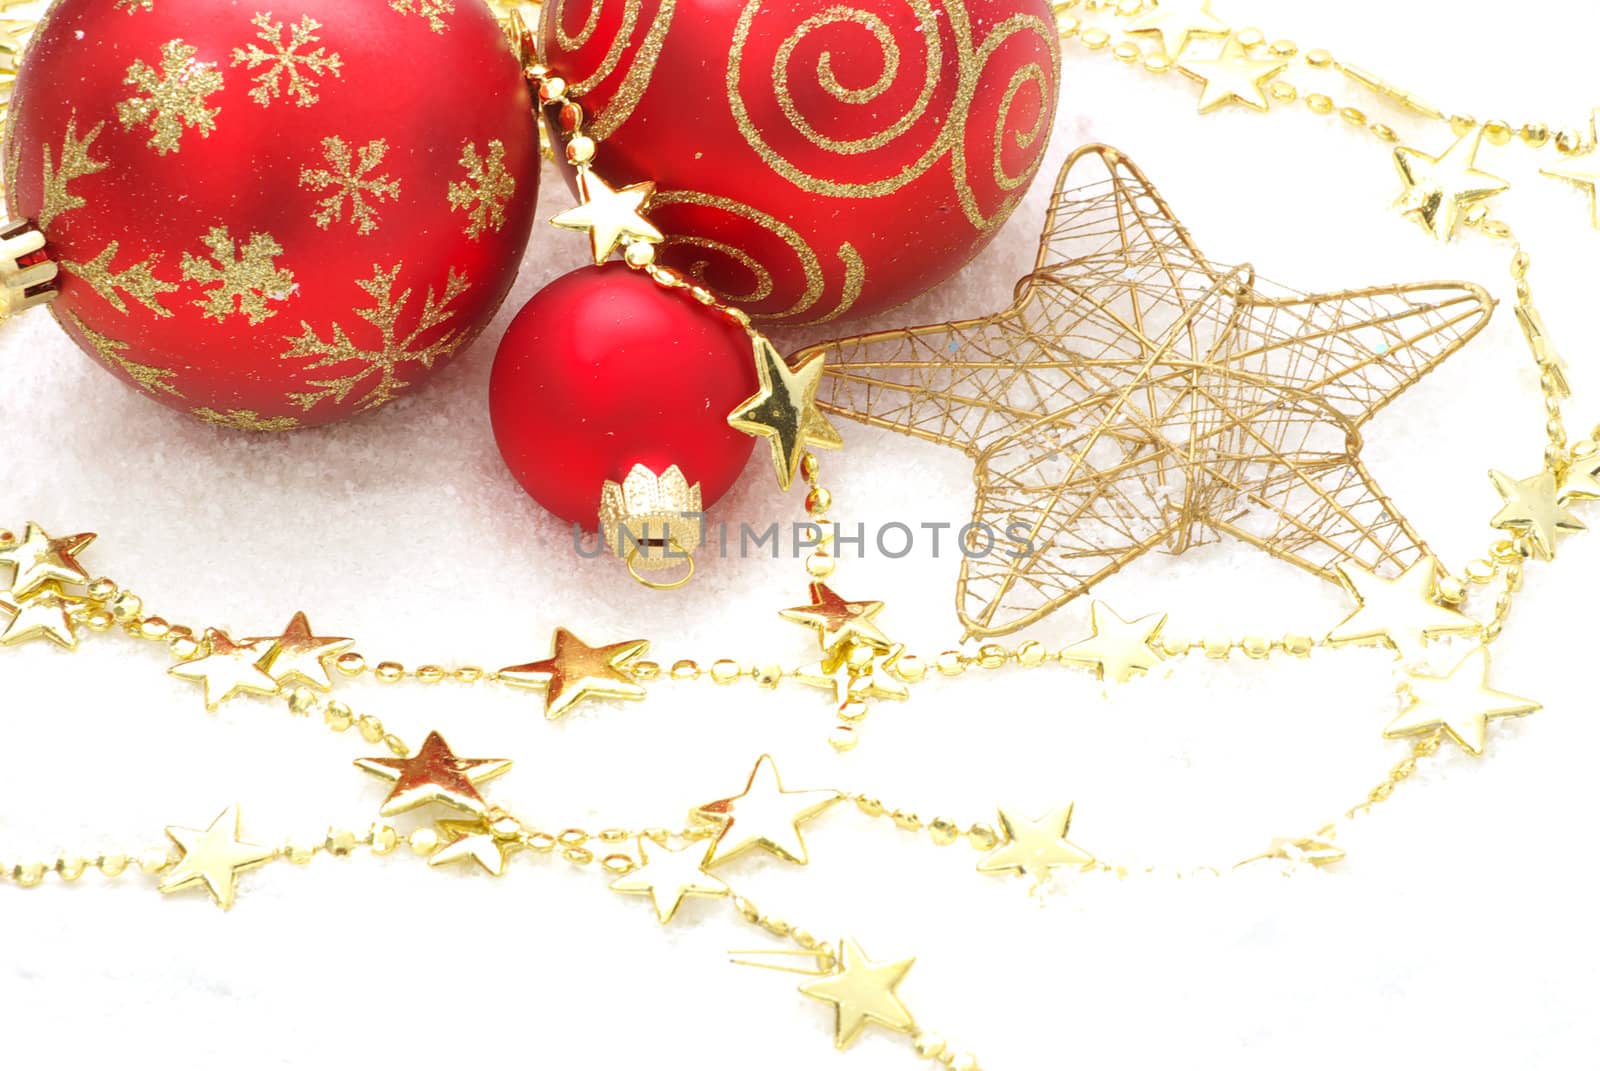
[[1461, 703], [228, 669], [861, 992], [855, 677], [1176, 22], [785, 411], [297, 657], [838, 621], [1402, 613], [670, 876], [45, 615], [765, 815], [435, 775], [1119, 650], [611, 217], [477, 843], [1581, 481], [1534, 511], [1585, 176], [575, 672], [40, 559], [1035, 848], [1233, 77], [1440, 189], [213, 857]]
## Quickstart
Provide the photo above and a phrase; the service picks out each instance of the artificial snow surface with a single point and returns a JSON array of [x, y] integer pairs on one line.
[[1460, 933]]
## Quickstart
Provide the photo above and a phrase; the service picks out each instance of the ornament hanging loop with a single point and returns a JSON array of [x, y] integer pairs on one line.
[[632, 559], [27, 274]]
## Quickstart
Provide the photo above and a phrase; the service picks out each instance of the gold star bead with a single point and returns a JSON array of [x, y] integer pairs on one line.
[[837, 620], [575, 672], [298, 657], [1440, 189], [1461, 703], [670, 876], [46, 615], [849, 680], [1233, 77], [474, 842], [1585, 176], [213, 857], [610, 216], [1035, 848], [1581, 481], [1119, 650], [40, 559], [1403, 612], [1176, 22], [228, 669], [1533, 510], [765, 815], [785, 412], [863, 992], [435, 775]]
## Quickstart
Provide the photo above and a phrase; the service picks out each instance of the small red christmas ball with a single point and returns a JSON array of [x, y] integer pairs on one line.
[[815, 160], [605, 370], [274, 216]]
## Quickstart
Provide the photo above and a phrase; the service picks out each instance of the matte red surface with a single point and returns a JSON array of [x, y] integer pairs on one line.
[[779, 239], [426, 93], [604, 370]]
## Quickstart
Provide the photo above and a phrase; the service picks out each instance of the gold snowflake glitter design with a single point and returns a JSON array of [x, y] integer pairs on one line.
[[350, 181], [246, 420], [138, 281], [75, 162], [432, 10], [487, 189], [110, 351], [394, 349], [244, 276], [173, 98], [284, 75]]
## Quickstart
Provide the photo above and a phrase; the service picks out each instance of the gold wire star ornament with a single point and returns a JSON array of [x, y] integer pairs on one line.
[[213, 857], [611, 216], [1439, 189], [1136, 397], [1534, 511], [1233, 77], [784, 411], [1461, 703], [575, 672]]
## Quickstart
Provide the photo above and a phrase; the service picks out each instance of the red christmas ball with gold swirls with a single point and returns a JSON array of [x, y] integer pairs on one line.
[[815, 160], [278, 214]]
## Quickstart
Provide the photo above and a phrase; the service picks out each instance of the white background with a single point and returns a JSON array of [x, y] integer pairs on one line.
[[1459, 933]]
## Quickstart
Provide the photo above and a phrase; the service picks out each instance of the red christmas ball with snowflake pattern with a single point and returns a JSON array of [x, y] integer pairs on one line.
[[274, 215]]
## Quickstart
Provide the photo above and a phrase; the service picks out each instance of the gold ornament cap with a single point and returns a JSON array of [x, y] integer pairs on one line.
[[653, 523], [22, 286]]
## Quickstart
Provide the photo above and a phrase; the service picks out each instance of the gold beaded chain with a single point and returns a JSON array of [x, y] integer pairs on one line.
[[53, 599]]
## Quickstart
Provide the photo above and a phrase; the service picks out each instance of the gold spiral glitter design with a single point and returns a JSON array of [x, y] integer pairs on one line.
[[969, 61], [641, 67]]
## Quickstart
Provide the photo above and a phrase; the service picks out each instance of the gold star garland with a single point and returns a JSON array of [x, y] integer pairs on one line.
[[52, 599]]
